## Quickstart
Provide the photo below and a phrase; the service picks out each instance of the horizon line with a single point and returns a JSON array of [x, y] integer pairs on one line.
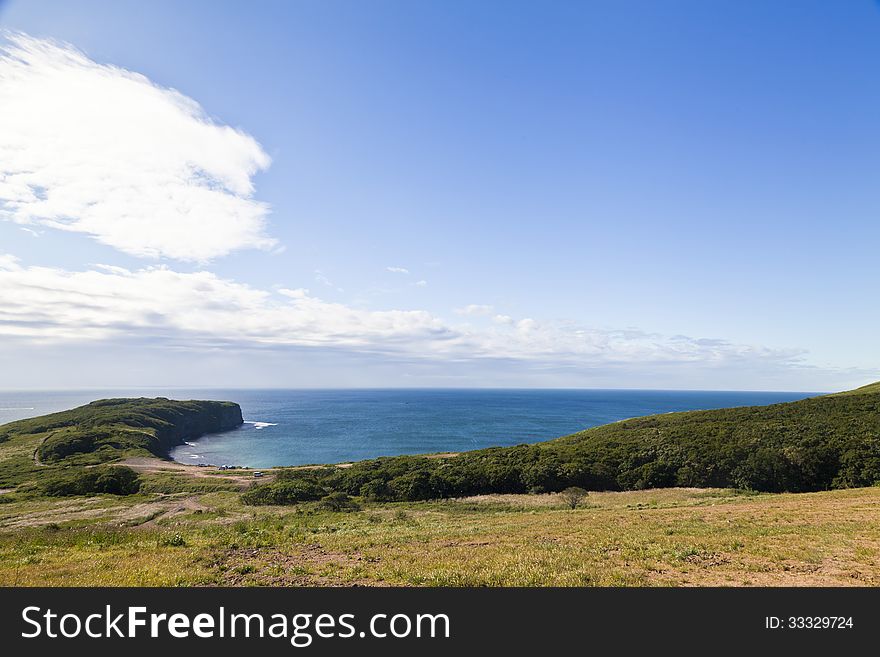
[[405, 388]]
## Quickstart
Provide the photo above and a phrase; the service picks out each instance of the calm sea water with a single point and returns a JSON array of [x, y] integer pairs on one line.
[[295, 427]]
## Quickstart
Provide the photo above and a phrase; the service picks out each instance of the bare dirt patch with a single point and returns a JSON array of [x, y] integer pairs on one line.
[[169, 509], [154, 465], [144, 514], [80, 509]]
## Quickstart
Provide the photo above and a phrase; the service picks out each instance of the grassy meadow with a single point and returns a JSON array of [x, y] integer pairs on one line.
[[668, 537]]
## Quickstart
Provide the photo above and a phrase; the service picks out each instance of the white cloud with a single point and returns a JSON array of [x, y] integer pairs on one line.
[[49, 304], [421, 283], [97, 149], [8, 262], [44, 305], [474, 309], [397, 270]]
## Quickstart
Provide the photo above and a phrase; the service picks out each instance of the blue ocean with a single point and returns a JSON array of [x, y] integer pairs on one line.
[[297, 427]]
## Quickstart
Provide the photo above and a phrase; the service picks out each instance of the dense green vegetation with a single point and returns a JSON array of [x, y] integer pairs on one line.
[[106, 428], [287, 489], [809, 445], [114, 480]]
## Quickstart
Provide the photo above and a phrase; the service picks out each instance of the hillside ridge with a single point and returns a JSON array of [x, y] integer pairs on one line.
[[106, 427]]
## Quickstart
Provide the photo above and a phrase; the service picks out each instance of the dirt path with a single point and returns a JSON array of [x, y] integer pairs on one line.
[[242, 475], [150, 464], [171, 508], [141, 515], [37, 460]]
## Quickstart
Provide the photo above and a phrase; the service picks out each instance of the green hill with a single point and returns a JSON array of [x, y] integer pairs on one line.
[[106, 430], [814, 444]]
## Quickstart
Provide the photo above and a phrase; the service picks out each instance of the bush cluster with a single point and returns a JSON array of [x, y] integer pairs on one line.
[[115, 480]]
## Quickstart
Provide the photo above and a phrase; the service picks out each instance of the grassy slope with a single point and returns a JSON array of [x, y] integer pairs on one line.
[[659, 537]]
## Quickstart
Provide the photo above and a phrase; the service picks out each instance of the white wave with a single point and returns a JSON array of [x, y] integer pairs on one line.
[[190, 444], [262, 425]]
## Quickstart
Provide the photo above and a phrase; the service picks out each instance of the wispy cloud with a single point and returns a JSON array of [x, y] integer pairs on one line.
[[100, 150], [50, 304], [474, 309], [45, 305], [397, 270], [323, 280]]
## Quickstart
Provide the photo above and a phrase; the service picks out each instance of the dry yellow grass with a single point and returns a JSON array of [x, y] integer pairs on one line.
[[670, 537]]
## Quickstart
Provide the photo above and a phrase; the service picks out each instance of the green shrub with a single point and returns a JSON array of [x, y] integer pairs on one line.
[[377, 490], [58, 446], [174, 540], [114, 480], [283, 492], [572, 496], [338, 501]]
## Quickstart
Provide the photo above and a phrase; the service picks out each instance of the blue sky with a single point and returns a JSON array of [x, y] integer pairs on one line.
[[594, 194]]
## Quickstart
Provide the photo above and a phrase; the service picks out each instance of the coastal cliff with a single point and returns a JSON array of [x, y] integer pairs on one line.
[[106, 429], [193, 419]]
